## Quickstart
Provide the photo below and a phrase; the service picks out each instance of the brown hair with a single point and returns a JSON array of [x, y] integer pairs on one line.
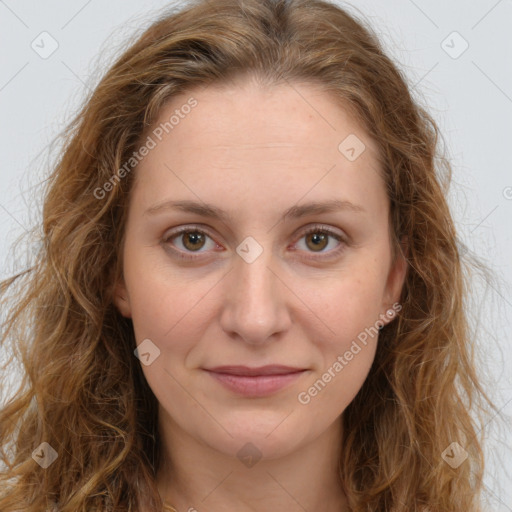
[[84, 392]]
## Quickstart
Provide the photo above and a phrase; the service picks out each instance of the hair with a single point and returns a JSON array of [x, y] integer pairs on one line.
[[83, 391]]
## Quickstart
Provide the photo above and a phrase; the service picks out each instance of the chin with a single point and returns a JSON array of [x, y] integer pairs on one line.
[[268, 439]]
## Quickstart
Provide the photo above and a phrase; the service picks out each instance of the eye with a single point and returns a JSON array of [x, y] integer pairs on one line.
[[191, 239], [317, 238], [188, 240]]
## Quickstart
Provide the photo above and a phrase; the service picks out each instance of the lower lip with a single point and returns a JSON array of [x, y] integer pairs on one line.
[[256, 386]]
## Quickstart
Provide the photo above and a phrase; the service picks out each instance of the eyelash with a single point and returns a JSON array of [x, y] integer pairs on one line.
[[313, 229]]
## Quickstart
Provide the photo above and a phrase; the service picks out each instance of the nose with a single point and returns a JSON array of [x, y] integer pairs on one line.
[[255, 306]]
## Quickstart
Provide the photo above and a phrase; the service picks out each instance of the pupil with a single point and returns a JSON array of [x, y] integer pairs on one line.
[[318, 239], [194, 238]]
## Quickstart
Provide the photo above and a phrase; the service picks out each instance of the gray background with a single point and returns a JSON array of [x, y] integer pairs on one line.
[[469, 93]]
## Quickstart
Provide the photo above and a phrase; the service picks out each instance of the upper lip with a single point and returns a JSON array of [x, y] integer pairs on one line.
[[273, 369]]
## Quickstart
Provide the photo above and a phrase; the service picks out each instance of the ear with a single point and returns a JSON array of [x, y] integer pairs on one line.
[[396, 280], [121, 299]]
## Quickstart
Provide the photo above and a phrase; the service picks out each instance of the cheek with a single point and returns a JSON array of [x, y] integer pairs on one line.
[[349, 309], [165, 316], [347, 304], [158, 298], [172, 311], [330, 392]]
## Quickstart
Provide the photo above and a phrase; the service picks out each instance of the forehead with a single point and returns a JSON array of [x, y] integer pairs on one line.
[[251, 141], [247, 113]]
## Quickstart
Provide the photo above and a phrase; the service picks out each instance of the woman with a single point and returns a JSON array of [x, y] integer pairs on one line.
[[249, 294]]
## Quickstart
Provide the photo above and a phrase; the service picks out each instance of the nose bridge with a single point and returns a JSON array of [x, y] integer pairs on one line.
[[254, 307]]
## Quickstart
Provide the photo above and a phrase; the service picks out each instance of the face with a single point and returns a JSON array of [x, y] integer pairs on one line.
[[252, 286]]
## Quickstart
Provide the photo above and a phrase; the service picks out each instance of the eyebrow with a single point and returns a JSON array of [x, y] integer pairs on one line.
[[295, 212]]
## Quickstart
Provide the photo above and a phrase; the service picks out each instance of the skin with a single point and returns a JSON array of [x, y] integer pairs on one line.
[[255, 151]]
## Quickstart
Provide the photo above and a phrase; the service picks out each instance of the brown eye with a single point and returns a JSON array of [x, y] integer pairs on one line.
[[189, 240], [317, 241], [193, 240]]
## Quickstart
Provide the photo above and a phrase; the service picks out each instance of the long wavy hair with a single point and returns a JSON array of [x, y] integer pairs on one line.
[[83, 391]]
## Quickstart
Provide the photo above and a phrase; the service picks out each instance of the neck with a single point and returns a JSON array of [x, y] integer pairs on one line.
[[194, 476]]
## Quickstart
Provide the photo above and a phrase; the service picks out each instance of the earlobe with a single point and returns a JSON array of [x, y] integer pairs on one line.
[[396, 280], [121, 300]]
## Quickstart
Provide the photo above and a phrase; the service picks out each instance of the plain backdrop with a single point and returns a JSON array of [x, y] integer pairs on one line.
[[456, 56]]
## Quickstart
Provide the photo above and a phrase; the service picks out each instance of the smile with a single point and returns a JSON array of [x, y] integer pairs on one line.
[[256, 385]]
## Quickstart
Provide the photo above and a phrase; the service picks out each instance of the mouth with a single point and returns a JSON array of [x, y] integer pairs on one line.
[[256, 382]]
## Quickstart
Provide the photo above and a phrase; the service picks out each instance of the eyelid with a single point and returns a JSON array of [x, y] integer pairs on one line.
[[330, 231], [186, 228]]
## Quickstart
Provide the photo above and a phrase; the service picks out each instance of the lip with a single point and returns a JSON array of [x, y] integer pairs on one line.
[[256, 382], [271, 369]]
